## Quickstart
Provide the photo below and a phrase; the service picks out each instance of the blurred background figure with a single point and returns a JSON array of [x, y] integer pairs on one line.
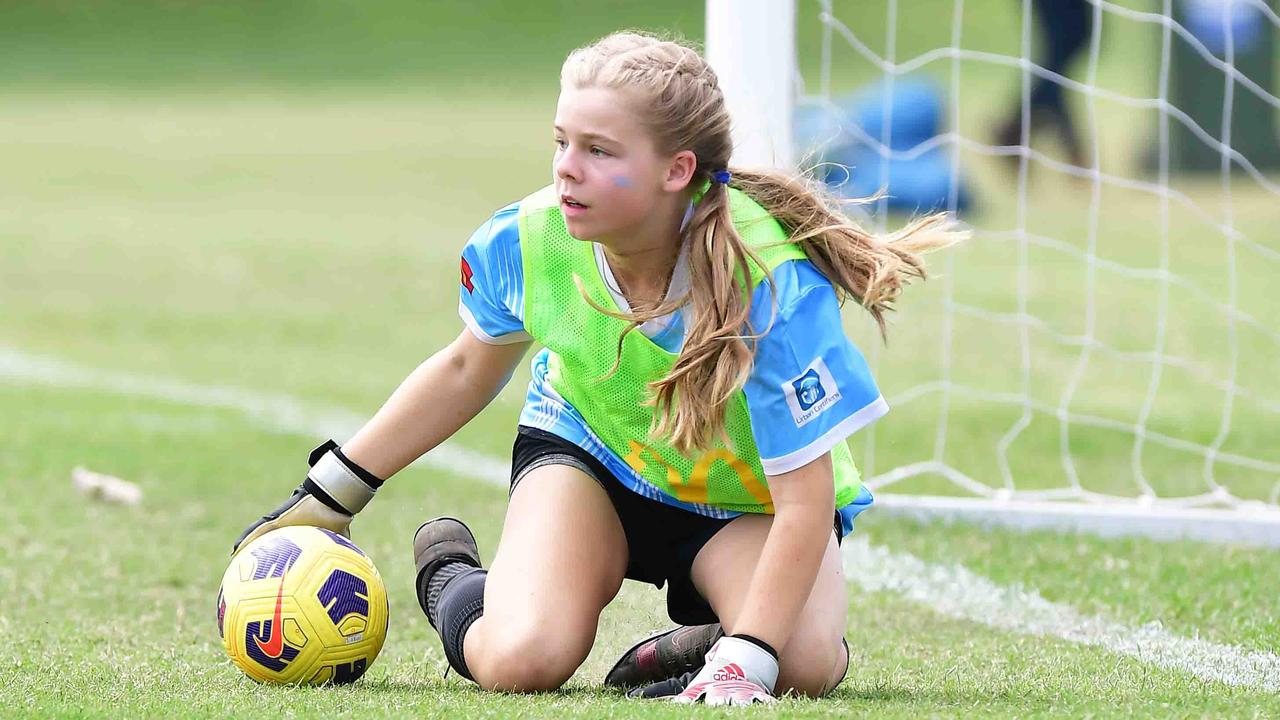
[[1064, 28], [1236, 32], [882, 139]]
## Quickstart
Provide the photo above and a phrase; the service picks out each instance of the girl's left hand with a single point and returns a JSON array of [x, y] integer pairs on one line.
[[739, 671]]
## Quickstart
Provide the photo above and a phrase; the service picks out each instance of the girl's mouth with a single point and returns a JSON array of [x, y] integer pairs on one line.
[[571, 206]]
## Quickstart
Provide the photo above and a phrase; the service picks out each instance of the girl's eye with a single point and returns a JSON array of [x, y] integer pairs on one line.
[[599, 152], [560, 143]]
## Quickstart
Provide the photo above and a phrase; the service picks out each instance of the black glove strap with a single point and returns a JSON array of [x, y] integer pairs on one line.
[[319, 452], [757, 642], [318, 493]]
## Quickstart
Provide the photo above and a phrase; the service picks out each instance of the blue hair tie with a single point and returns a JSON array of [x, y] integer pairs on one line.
[[721, 176]]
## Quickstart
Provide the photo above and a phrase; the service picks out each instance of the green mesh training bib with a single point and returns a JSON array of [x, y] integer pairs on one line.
[[583, 343]]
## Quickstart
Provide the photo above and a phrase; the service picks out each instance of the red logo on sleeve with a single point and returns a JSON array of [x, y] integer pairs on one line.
[[466, 276]]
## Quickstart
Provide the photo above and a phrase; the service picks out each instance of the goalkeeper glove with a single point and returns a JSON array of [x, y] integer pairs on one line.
[[335, 489], [740, 670]]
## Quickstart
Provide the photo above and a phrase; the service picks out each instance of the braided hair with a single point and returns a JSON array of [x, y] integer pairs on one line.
[[677, 96]]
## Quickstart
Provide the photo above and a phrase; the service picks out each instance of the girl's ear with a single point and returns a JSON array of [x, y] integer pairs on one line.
[[680, 171]]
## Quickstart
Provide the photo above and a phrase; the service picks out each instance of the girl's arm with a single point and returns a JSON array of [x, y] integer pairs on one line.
[[439, 397], [740, 669], [804, 508]]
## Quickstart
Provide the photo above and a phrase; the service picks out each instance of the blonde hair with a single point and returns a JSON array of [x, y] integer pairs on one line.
[[679, 100]]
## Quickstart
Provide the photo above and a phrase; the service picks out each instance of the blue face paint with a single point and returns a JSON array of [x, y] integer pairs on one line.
[[622, 181]]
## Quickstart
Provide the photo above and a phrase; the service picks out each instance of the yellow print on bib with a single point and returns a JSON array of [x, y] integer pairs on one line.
[[694, 488]]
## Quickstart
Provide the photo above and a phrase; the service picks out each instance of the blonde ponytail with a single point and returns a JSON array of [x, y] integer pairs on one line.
[[684, 108]]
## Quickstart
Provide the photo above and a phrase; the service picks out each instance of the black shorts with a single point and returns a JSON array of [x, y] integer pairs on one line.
[[662, 540]]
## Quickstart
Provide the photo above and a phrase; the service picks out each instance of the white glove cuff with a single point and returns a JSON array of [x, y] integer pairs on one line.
[[340, 482], [756, 664]]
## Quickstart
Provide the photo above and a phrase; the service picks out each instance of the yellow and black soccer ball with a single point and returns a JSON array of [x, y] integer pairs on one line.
[[302, 605]]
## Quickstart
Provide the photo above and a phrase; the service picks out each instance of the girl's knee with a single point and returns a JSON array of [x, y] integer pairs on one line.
[[812, 669], [525, 661]]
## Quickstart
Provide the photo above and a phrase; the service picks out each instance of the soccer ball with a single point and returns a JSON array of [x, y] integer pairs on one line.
[[302, 605]]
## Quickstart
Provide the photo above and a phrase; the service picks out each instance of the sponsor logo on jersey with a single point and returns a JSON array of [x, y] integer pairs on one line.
[[811, 392]]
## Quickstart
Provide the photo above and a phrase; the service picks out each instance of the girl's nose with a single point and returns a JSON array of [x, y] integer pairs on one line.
[[566, 166]]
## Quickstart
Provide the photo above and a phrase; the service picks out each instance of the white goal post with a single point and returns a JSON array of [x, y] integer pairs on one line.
[[752, 45]]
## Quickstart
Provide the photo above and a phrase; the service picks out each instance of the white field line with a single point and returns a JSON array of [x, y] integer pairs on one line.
[[947, 589], [273, 412], [953, 591]]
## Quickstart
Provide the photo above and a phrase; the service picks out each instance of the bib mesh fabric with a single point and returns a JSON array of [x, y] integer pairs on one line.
[[583, 343]]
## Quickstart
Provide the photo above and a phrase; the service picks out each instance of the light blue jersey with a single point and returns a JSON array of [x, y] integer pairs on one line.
[[810, 388]]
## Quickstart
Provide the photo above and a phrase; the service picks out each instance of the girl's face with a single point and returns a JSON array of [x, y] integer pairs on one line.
[[609, 175]]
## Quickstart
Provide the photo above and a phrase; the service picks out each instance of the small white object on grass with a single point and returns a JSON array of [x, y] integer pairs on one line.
[[105, 487]]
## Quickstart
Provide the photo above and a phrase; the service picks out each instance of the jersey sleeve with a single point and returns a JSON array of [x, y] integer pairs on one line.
[[810, 387], [491, 294]]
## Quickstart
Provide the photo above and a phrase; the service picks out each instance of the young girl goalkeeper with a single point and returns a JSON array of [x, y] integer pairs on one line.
[[687, 416]]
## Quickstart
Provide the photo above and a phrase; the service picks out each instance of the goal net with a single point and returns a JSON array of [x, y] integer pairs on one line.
[[1104, 354]]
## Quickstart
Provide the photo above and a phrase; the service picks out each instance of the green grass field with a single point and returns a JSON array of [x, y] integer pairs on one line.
[[254, 231]]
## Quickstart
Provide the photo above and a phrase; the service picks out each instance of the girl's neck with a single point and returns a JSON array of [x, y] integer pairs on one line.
[[642, 262]]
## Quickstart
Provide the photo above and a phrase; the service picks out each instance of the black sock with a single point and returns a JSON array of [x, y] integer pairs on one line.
[[461, 603], [431, 586]]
